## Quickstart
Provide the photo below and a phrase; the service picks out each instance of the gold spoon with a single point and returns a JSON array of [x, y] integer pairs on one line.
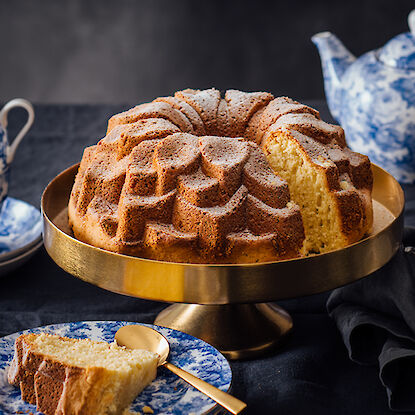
[[142, 337]]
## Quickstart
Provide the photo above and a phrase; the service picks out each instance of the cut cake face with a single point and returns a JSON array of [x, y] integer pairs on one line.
[[331, 183]]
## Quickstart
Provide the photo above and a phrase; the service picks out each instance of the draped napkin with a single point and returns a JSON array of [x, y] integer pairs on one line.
[[376, 317]]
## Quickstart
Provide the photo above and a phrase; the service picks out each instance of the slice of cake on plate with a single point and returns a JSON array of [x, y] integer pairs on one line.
[[79, 376]]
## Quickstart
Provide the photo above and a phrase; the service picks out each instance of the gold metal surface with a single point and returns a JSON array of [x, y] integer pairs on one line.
[[223, 284], [142, 337], [238, 329]]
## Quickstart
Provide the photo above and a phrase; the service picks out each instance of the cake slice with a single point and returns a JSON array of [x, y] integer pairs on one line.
[[79, 376]]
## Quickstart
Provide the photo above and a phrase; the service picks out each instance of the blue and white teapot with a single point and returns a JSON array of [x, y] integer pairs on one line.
[[373, 98]]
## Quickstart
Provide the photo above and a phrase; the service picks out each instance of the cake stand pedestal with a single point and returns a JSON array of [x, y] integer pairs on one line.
[[237, 330], [228, 305]]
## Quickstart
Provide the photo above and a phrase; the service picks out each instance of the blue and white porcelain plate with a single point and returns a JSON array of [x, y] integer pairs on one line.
[[20, 227], [167, 394]]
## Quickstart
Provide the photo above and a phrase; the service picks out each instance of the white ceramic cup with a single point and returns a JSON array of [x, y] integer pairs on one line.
[[7, 150]]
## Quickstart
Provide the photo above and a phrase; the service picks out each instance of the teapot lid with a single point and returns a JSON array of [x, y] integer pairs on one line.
[[399, 52]]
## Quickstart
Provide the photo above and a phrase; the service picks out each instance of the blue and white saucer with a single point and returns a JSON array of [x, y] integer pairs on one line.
[[167, 394], [15, 262], [20, 228]]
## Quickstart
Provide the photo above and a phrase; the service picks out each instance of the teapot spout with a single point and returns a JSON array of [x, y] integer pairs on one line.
[[335, 59]]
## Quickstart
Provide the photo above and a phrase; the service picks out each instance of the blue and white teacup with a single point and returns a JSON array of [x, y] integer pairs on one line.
[[7, 150]]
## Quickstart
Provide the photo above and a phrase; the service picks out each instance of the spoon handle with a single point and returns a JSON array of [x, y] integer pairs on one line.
[[229, 402]]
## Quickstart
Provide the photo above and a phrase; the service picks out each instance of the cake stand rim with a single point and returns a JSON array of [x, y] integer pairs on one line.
[[51, 228]]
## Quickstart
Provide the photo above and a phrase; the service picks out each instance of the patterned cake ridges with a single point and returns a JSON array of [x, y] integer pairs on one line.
[[249, 115], [205, 112], [326, 147], [208, 194], [255, 116]]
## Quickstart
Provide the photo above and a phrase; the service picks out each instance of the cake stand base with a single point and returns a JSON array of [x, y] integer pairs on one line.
[[239, 331]]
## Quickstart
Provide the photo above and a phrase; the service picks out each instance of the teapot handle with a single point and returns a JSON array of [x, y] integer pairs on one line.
[[411, 22], [18, 102]]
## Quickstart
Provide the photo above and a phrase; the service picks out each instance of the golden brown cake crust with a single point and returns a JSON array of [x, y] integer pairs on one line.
[[206, 104], [150, 189], [199, 197], [54, 388], [152, 110], [271, 113], [188, 111]]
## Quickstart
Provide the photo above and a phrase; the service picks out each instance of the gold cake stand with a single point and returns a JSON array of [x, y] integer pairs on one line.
[[226, 305]]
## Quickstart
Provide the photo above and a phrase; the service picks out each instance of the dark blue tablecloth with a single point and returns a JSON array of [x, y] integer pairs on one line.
[[311, 374]]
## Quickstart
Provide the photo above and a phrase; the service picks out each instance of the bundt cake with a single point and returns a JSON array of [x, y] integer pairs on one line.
[[203, 179], [71, 376]]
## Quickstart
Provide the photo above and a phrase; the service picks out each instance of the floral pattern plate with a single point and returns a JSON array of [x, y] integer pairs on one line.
[[167, 394], [20, 227]]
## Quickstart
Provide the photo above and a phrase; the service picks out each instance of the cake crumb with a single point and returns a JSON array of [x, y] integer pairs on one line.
[[345, 185], [147, 410]]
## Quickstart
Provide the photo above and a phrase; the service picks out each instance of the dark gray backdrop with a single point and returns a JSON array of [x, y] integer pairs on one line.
[[129, 51]]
